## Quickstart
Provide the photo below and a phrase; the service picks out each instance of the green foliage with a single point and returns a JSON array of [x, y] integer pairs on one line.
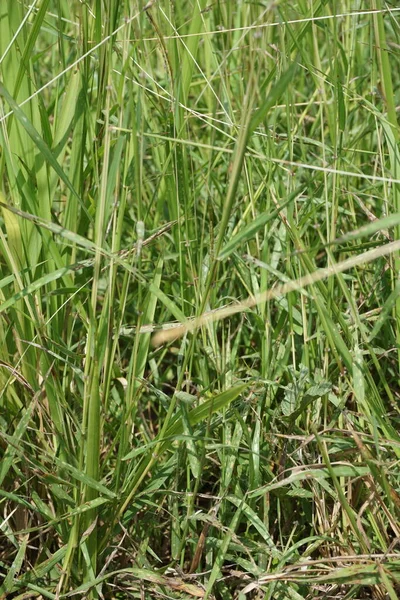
[[223, 177]]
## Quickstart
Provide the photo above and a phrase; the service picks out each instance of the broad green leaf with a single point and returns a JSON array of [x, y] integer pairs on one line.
[[202, 412], [197, 415]]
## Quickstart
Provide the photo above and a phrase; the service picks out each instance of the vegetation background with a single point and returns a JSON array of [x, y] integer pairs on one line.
[[228, 174]]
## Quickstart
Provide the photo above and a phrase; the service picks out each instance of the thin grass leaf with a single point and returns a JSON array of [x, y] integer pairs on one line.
[[37, 139], [248, 232], [197, 415], [339, 470], [9, 584], [277, 90], [221, 556], [375, 226]]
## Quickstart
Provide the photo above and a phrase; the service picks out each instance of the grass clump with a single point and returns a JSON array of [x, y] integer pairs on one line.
[[199, 300]]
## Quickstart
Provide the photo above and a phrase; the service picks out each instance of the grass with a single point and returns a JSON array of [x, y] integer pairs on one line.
[[199, 300]]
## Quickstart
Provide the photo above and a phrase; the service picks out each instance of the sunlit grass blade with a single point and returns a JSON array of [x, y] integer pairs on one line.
[[36, 138]]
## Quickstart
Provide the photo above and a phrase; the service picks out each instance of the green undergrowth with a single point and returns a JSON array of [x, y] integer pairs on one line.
[[199, 299]]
